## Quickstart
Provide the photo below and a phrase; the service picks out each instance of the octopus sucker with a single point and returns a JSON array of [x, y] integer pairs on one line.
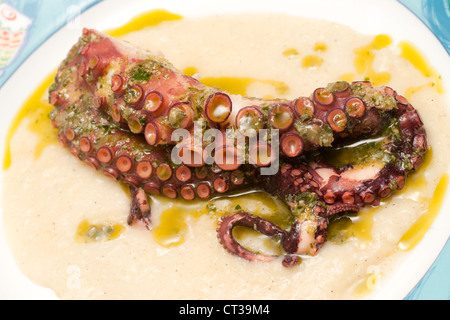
[[131, 115]]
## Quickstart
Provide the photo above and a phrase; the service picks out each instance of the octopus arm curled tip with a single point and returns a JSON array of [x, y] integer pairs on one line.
[[117, 109], [244, 219]]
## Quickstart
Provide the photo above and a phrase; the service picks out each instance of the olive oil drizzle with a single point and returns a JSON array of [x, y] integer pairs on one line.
[[172, 228], [238, 85], [364, 59], [312, 62], [290, 53], [417, 231], [365, 56], [88, 232], [147, 19], [36, 110], [418, 60]]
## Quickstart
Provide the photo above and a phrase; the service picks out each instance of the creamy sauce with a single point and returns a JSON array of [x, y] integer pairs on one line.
[[61, 216], [36, 109]]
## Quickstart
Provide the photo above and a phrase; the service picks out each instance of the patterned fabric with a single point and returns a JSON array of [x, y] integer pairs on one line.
[[13, 29]]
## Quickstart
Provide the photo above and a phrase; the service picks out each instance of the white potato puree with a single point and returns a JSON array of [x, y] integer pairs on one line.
[[45, 199]]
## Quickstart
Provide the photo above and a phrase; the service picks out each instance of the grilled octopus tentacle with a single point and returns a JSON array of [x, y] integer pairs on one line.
[[118, 109]]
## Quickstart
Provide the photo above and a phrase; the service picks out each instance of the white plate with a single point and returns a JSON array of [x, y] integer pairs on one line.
[[365, 16]]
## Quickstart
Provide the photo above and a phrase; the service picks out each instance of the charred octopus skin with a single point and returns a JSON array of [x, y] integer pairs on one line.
[[121, 110]]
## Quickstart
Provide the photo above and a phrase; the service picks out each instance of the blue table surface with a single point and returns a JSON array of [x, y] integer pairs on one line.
[[50, 15]]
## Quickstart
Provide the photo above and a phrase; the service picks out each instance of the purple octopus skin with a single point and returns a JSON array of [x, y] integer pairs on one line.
[[117, 107]]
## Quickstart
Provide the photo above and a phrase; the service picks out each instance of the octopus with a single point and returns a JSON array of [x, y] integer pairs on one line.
[[130, 114]]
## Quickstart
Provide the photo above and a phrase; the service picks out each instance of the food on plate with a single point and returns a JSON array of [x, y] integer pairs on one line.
[[130, 114]]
